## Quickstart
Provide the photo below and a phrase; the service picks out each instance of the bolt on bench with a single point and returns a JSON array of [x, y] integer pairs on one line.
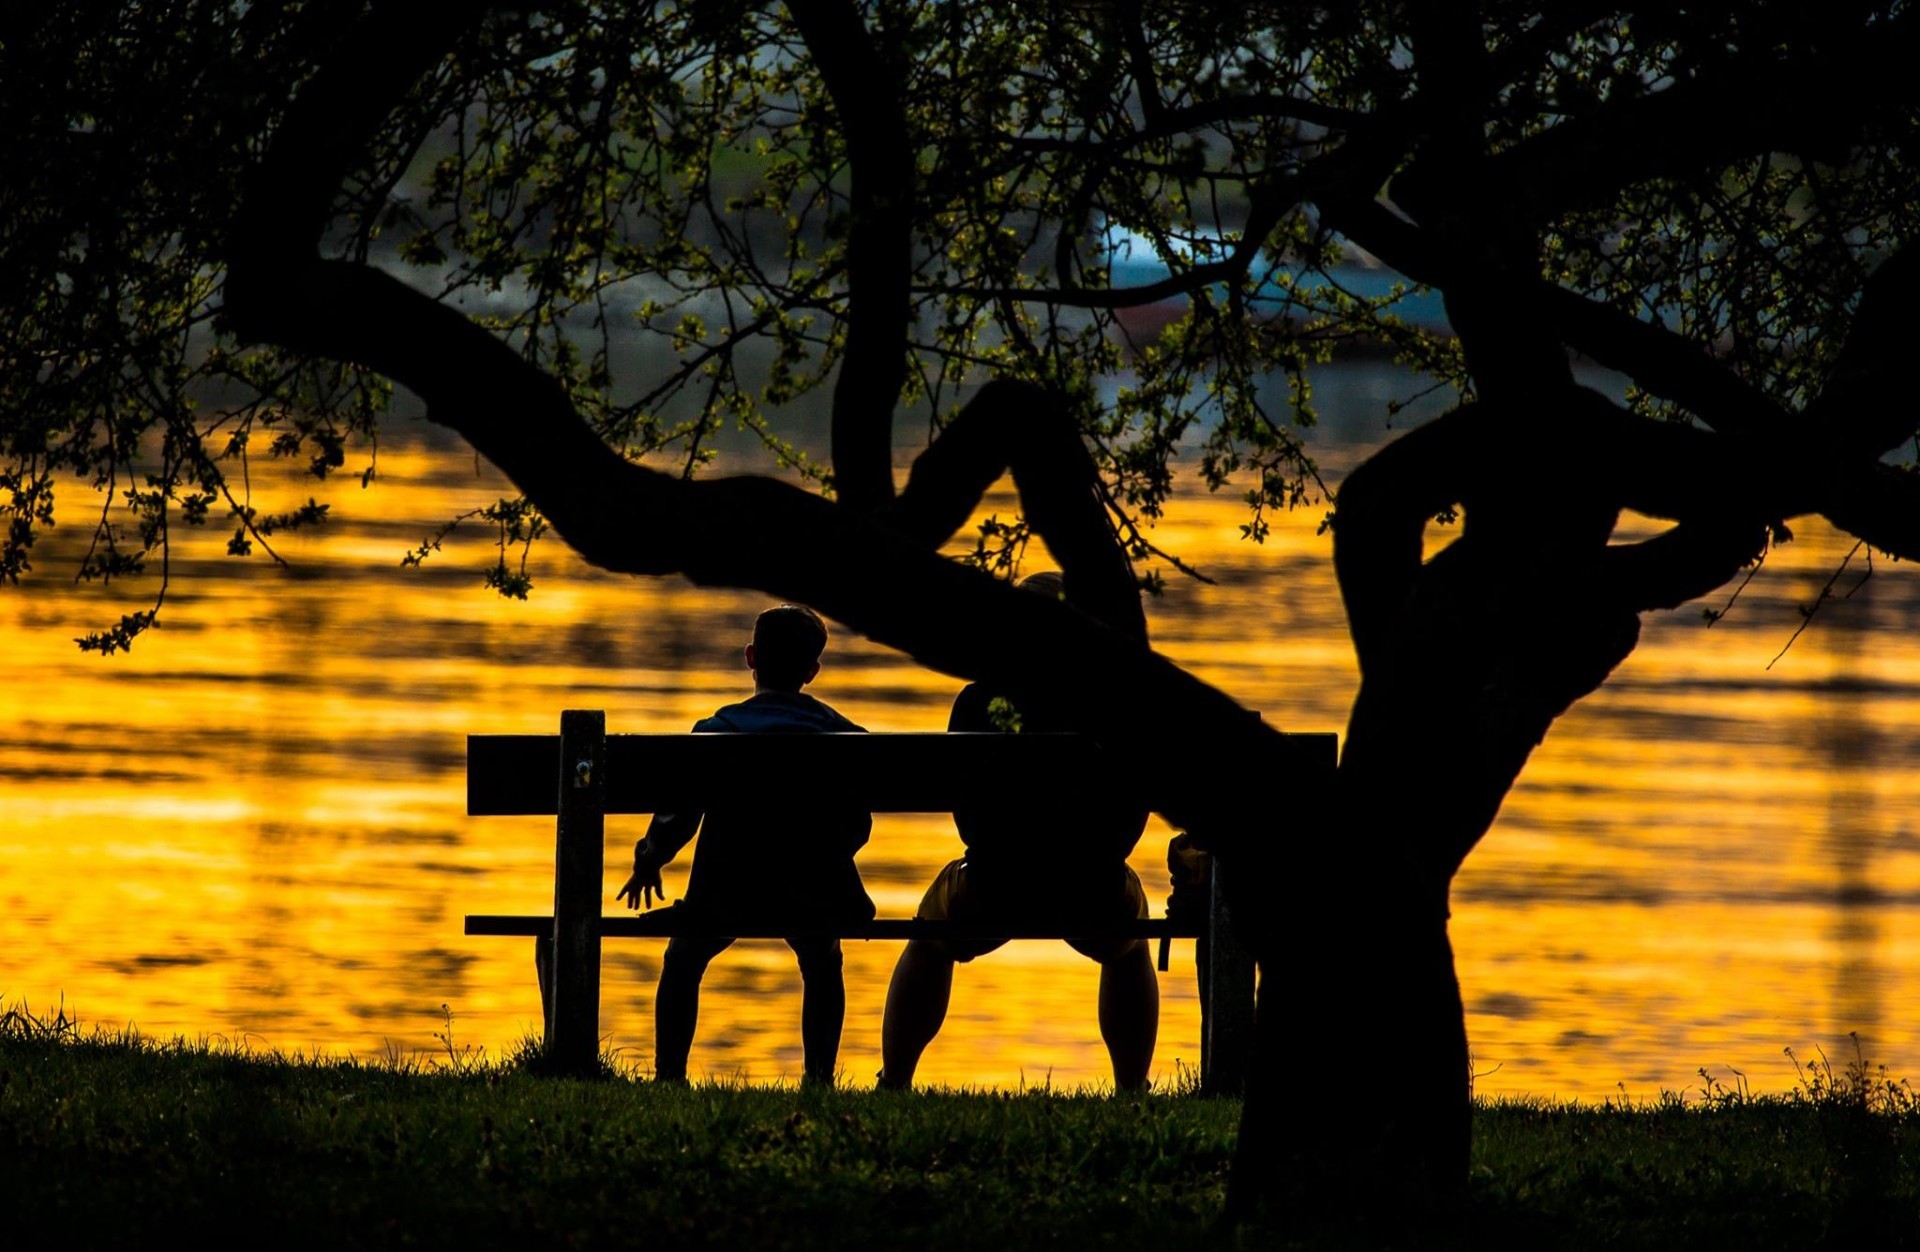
[[582, 774]]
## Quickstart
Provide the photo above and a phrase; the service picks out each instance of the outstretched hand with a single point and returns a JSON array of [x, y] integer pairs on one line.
[[643, 886]]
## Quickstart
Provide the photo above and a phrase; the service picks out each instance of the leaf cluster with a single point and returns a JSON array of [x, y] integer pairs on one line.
[[656, 205]]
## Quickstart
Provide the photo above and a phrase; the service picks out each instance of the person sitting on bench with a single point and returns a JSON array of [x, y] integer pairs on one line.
[[764, 858], [1061, 861]]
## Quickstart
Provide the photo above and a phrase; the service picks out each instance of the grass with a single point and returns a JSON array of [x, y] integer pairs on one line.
[[110, 1140], [107, 1139], [1834, 1163]]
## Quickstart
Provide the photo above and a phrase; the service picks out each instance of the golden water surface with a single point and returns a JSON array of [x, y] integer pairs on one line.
[[253, 828]]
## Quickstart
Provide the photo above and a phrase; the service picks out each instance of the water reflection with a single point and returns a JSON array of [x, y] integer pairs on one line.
[[1845, 734], [254, 828]]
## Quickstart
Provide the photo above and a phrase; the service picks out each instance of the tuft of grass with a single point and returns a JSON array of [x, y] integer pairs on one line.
[[110, 1140], [1833, 1162]]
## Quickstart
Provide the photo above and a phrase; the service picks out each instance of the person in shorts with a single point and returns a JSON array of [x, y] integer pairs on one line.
[[1055, 860], [764, 859]]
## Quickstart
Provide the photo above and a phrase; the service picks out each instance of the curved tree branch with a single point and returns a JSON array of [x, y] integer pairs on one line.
[[1509, 352], [1188, 118], [866, 93], [1018, 427], [1879, 504], [1682, 564], [1665, 364], [1866, 406], [1545, 482], [1774, 465], [737, 532], [1379, 526], [1658, 360], [1751, 106]]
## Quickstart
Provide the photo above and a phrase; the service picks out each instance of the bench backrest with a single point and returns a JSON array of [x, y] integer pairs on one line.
[[879, 772]]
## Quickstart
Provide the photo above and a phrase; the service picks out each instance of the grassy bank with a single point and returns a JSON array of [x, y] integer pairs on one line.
[[109, 1140]]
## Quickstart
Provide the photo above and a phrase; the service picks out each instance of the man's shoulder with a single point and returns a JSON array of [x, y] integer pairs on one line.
[[831, 719], [776, 711], [972, 708]]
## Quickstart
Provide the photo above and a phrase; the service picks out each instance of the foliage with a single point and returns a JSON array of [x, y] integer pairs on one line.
[[584, 178], [126, 134]]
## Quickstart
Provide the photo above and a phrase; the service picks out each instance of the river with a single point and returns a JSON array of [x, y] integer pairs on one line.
[[251, 829]]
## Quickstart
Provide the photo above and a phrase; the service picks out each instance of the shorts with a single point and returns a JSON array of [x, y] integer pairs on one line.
[[1100, 895], [817, 954]]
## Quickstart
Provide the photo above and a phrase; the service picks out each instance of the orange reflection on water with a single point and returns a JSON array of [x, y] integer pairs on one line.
[[253, 827]]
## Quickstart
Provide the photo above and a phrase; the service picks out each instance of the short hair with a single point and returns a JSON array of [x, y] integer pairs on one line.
[[787, 642], [1050, 583]]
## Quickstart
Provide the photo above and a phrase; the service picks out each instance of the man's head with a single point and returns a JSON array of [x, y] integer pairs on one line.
[[1050, 583], [787, 642]]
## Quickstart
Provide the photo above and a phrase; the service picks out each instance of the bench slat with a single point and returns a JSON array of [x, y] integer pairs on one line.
[[661, 925], [516, 775]]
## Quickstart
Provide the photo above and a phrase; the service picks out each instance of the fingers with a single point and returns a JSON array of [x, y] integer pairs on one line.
[[640, 891]]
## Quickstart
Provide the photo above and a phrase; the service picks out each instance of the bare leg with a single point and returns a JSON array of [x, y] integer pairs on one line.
[[676, 1003], [916, 1007], [1129, 1015], [823, 1006]]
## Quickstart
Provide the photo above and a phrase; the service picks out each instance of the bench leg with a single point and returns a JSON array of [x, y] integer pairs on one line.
[[573, 1020], [543, 970], [1227, 1014]]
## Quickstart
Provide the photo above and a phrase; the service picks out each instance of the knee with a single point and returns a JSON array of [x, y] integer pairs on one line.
[[823, 964], [1130, 960], [682, 963], [926, 961]]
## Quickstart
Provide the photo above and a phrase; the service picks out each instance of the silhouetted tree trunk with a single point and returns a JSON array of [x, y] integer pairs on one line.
[[1466, 658]]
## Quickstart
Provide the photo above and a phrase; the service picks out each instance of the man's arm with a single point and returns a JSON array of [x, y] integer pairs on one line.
[[666, 835]]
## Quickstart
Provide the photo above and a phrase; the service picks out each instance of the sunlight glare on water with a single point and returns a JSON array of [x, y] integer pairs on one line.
[[253, 827]]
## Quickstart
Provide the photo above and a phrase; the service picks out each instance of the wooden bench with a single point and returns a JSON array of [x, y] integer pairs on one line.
[[582, 774]]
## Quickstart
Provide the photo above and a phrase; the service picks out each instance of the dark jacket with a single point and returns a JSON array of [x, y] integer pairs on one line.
[[771, 858], [1035, 822]]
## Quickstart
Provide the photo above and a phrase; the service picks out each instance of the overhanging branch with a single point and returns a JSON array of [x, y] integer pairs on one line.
[[866, 96], [1751, 106], [1021, 428], [738, 532]]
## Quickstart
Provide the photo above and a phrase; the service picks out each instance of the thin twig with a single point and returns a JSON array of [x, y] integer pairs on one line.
[[1826, 592], [1713, 617]]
